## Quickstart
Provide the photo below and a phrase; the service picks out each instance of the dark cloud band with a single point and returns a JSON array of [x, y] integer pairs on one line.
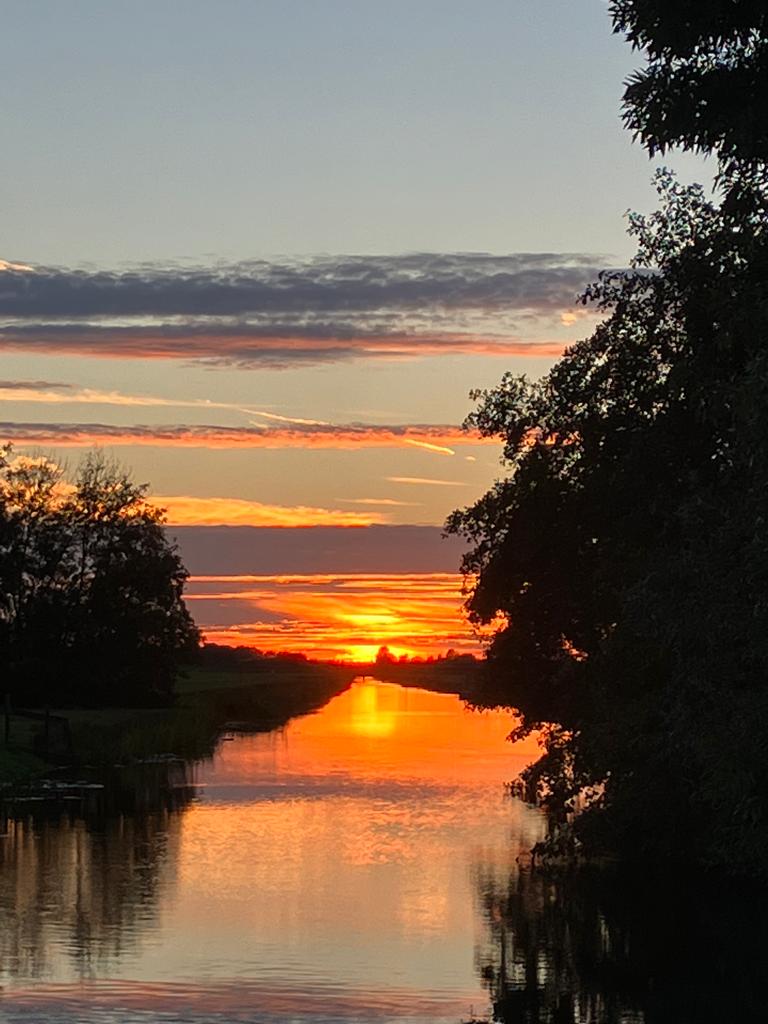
[[351, 284], [34, 385], [277, 313]]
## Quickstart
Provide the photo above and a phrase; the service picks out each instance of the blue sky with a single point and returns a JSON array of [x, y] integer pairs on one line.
[[181, 129]]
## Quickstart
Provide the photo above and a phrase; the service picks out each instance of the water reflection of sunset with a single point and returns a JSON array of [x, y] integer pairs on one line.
[[326, 871], [390, 733], [346, 616], [369, 716], [354, 823]]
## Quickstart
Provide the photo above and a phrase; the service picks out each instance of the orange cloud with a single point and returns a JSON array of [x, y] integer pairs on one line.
[[8, 265], [433, 437], [227, 347], [389, 502], [184, 510]]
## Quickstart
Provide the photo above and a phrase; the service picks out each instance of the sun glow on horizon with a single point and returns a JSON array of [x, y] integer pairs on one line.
[[344, 617]]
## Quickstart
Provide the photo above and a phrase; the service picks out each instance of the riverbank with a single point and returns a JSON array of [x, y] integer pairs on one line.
[[208, 703], [461, 676]]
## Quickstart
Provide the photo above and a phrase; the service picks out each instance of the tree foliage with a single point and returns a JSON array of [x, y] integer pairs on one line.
[[705, 85], [91, 607], [628, 552]]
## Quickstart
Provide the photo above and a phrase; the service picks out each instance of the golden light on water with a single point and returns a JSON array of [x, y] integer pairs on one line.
[[369, 714]]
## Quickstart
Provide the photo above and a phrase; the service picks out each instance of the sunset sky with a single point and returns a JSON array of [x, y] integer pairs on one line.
[[262, 249]]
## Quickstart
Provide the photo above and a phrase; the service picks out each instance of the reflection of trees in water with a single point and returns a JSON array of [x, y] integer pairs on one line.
[[591, 947], [82, 879]]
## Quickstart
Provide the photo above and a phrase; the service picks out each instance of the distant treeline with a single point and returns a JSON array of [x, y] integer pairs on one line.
[[242, 659]]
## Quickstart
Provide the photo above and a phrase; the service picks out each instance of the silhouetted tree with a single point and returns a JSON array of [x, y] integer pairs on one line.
[[705, 84], [384, 657], [91, 607], [628, 548]]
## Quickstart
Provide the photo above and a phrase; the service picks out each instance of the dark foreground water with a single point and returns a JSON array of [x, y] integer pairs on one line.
[[362, 865]]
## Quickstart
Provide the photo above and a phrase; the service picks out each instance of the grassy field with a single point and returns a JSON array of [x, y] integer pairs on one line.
[[20, 765], [447, 676], [207, 703]]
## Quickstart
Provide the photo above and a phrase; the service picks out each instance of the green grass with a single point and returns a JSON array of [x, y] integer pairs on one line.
[[197, 680], [20, 765], [206, 702], [114, 734]]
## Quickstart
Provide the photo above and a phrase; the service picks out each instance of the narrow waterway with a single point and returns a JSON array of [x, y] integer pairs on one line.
[[338, 869]]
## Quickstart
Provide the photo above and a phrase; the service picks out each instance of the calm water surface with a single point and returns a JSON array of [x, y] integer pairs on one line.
[[350, 867]]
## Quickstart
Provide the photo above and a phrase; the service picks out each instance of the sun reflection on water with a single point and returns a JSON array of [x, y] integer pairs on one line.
[[369, 714]]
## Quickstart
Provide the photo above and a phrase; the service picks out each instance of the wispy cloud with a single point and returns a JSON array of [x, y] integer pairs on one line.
[[46, 393], [432, 437], [425, 480], [384, 502], [213, 550], [288, 313], [7, 265], [41, 392], [286, 419], [439, 449]]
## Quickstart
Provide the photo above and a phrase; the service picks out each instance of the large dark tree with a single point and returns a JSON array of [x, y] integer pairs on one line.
[[705, 84], [627, 549], [91, 607]]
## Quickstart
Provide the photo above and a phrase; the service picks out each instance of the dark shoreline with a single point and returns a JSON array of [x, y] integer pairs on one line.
[[207, 705]]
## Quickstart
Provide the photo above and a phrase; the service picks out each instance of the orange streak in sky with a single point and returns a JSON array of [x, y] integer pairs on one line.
[[151, 342], [184, 510], [432, 437]]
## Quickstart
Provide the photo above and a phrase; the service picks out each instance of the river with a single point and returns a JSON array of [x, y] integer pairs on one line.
[[328, 871], [363, 864]]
